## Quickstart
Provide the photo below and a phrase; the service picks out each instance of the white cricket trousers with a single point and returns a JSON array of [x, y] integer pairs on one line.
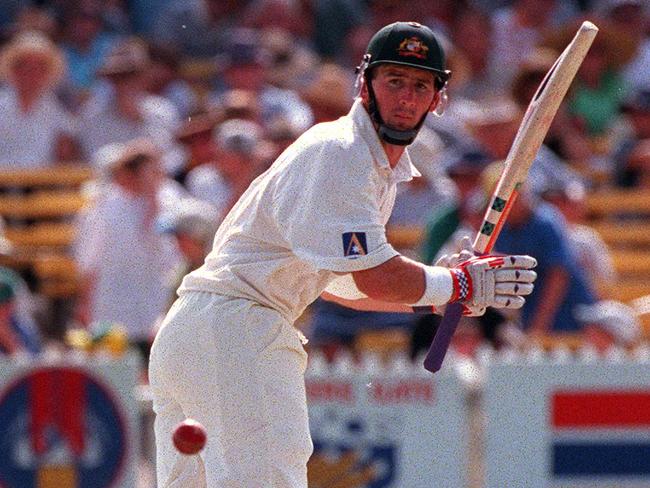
[[238, 368]]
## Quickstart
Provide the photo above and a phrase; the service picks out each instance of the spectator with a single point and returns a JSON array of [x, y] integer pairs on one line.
[[245, 65], [598, 89], [122, 110], [472, 36], [35, 128], [164, 80], [632, 155], [291, 17], [539, 229], [586, 242], [193, 224], [240, 104], [198, 28], [15, 335], [519, 27], [631, 17], [125, 263], [223, 181], [292, 62], [329, 93], [493, 127], [86, 44], [334, 20], [609, 324], [564, 138], [196, 137]]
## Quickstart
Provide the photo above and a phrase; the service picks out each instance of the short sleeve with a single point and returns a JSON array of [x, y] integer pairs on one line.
[[328, 206]]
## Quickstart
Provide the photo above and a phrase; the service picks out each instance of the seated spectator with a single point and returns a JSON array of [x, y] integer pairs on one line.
[[538, 229], [164, 80], [473, 39], [632, 155], [245, 64], [193, 224], [35, 129], [16, 335], [196, 137], [86, 44], [609, 324], [598, 89], [493, 126], [329, 93], [124, 262], [293, 63], [120, 109], [632, 17], [564, 137], [198, 28], [519, 26], [586, 242], [225, 179]]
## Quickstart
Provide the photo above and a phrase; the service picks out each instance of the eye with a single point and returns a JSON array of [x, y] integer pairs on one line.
[[394, 82]]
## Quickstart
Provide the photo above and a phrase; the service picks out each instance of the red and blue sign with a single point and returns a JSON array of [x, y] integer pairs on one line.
[[61, 427], [600, 433]]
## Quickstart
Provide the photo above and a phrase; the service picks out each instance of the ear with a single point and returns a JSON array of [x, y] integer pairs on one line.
[[365, 96]]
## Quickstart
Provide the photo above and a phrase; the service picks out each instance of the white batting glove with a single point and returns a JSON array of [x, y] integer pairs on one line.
[[453, 260], [493, 281]]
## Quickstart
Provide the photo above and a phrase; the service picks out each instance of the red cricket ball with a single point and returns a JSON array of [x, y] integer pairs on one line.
[[189, 436]]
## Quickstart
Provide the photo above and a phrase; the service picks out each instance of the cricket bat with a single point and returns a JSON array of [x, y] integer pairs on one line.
[[529, 138]]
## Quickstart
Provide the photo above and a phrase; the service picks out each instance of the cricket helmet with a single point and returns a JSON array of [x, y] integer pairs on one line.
[[408, 44]]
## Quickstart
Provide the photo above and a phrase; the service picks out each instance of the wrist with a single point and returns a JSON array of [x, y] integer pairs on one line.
[[462, 285], [438, 287]]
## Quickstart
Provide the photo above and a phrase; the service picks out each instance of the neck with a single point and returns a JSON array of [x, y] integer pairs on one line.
[[27, 99], [392, 152]]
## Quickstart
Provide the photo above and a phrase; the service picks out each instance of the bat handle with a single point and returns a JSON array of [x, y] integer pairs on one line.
[[438, 350]]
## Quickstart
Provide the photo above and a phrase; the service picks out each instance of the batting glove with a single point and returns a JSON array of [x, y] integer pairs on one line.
[[454, 260], [493, 281]]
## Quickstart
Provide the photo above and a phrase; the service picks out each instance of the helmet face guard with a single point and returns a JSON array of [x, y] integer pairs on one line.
[[406, 44]]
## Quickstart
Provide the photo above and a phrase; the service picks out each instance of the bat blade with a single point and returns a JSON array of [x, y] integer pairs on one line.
[[532, 131]]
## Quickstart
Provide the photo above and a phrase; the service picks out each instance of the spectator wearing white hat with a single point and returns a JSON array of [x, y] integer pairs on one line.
[[120, 109], [124, 261], [222, 181], [609, 324], [35, 129], [193, 224]]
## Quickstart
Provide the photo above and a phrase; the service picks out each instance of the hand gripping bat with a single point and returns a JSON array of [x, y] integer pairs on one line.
[[529, 138]]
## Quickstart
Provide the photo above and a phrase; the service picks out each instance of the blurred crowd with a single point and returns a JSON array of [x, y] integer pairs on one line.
[[177, 105]]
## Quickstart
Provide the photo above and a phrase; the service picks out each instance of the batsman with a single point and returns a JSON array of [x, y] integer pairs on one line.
[[228, 354]]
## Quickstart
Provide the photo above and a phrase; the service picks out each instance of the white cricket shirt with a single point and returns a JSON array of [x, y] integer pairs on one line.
[[320, 208]]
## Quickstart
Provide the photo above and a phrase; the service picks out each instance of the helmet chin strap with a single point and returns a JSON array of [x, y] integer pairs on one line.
[[386, 133]]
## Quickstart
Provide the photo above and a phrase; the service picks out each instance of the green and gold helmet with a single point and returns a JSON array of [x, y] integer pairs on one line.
[[408, 44]]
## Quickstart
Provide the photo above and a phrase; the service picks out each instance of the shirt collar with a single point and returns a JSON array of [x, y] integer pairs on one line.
[[404, 170]]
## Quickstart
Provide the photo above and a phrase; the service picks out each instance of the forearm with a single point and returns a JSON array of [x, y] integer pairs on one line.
[[368, 304], [398, 280]]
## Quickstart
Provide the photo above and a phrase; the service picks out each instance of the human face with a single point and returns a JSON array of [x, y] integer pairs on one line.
[[31, 72], [404, 95]]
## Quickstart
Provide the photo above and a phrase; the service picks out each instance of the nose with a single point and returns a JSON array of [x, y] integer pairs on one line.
[[407, 97]]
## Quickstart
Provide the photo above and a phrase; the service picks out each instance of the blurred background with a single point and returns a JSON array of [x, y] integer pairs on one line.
[[130, 127]]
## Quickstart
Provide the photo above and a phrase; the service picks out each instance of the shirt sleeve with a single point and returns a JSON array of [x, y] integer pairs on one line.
[[328, 205]]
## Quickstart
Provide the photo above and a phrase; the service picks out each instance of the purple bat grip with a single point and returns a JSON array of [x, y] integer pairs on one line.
[[443, 336]]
